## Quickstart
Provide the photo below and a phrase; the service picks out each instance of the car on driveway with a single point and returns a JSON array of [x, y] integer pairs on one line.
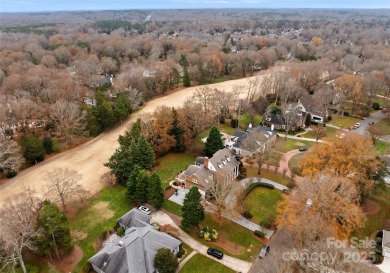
[[357, 125], [215, 252], [371, 123], [303, 149], [144, 209], [264, 251]]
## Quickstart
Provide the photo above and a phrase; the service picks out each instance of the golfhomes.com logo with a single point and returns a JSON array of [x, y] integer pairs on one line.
[[336, 251]]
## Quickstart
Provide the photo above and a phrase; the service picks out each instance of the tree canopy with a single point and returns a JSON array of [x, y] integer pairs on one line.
[[214, 142], [165, 261], [192, 209]]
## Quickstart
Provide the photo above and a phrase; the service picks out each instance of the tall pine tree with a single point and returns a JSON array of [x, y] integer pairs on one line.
[[55, 231], [214, 142], [120, 164], [122, 107], [178, 132], [142, 153], [133, 134], [141, 187], [155, 191], [131, 183], [192, 210]]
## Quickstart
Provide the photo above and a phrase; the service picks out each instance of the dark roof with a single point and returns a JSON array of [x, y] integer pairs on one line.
[[240, 134], [199, 160], [274, 119], [134, 218]]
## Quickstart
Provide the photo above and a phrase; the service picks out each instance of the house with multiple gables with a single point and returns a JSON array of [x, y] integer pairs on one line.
[[264, 138], [135, 251], [312, 107], [223, 164]]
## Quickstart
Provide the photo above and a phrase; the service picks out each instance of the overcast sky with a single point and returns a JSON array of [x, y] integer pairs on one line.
[[56, 5]]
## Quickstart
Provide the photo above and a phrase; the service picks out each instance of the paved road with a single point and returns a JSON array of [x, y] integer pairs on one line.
[[88, 159], [238, 265], [362, 130]]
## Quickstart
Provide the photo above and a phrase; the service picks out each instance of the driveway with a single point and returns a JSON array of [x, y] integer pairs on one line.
[[283, 164], [238, 265], [88, 158]]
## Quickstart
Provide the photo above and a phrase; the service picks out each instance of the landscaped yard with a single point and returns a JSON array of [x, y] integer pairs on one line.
[[96, 218], [293, 164], [169, 166], [200, 264], [384, 125], [262, 204], [244, 121], [329, 131], [382, 147], [285, 146], [378, 212], [343, 122], [240, 238], [268, 174]]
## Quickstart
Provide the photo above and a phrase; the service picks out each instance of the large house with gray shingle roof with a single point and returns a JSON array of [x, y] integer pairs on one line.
[[223, 164], [135, 251]]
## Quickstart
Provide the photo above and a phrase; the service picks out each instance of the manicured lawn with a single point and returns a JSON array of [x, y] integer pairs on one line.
[[262, 203], [200, 264], [285, 146], [97, 217], [313, 133], [375, 222], [244, 121], [233, 232], [172, 207], [171, 164], [382, 147], [293, 164], [343, 122], [274, 159], [384, 125], [271, 175]]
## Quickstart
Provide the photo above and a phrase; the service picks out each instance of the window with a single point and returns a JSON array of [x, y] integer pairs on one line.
[[195, 181]]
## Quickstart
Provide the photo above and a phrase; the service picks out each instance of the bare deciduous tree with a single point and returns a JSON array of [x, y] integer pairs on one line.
[[63, 184], [10, 155], [18, 231]]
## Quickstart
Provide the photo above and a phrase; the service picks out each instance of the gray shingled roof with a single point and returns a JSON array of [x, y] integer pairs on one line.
[[137, 252], [191, 169], [134, 218], [226, 159], [386, 239], [199, 160]]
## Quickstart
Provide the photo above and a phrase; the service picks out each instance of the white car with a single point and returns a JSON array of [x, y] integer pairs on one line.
[[357, 125], [144, 210]]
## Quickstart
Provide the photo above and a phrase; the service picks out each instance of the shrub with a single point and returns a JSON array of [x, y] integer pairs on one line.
[[375, 106], [30, 269], [258, 233], [10, 174], [252, 186], [48, 145], [265, 224], [120, 231], [291, 185], [329, 118], [208, 234], [234, 123], [346, 114], [87, 268], [248, 215], [181, 252]]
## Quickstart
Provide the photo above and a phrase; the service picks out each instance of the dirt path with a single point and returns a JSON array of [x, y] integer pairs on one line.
[[88, 158]]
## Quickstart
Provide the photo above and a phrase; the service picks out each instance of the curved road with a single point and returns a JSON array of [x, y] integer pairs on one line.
[[88, 158]]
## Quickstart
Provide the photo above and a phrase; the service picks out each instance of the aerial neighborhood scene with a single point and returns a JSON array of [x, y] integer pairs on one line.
[[195, 136]]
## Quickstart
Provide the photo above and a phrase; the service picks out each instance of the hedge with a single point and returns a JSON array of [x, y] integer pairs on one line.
[[258, 233], [252, 186]]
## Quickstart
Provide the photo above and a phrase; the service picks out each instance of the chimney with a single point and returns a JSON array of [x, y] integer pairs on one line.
[[206, 162], [120, 243]]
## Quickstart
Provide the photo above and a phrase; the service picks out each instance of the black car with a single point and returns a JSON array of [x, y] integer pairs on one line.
[[302, 149], [215, 252], [371, 123]]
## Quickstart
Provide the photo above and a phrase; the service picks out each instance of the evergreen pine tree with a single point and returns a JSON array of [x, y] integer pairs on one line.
[[155, 191], [33, 149], [122, 107], [165, 261], [55, 231], [214, 142], [103, 112], [120, 164], [141, 190], [131, 183], [178, 132], [48, 145], [186, 78], [133, 134], [142, 153], [192, 210]]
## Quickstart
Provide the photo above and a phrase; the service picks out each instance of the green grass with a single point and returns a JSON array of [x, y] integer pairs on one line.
[[313, 133], [169, 166], [172, 207], [93, 222], [285, 146], [244, 121], [271, 175], [200, 264], [380, 195], [262, 203], [382, 147], [293, 164], [343, 122], [233, 232]]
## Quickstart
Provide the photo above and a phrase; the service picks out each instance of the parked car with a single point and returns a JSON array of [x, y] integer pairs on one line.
[[303, 149], [371, 123], [357, 125], [215, 252], [263, 252], [144, 209]]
